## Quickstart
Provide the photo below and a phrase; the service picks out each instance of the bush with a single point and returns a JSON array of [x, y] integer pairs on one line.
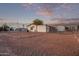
[[5, 27], [1, 28]]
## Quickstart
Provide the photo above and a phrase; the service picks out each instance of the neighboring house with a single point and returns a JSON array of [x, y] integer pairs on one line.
[[66, 27], [16, 27], [53, 28]]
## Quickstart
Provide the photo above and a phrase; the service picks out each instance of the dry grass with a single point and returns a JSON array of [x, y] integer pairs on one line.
[[40, 44]]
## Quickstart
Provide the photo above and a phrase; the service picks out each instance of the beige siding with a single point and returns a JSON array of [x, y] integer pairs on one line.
[[41, 28]]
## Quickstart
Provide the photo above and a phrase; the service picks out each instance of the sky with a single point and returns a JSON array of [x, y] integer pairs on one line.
[[27, 12]]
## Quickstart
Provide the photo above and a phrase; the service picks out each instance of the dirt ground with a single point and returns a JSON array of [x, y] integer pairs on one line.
[[39, 44]]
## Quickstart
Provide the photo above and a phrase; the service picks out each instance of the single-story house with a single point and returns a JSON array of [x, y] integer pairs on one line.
[[16, 27], [53, 27], [39, 28]]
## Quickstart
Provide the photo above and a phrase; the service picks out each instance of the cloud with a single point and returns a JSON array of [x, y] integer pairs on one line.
[[30, 6], [65, 21], [27, 5], [64, 10], [44, 11], [3, 20], [47, 9], [67, 7]]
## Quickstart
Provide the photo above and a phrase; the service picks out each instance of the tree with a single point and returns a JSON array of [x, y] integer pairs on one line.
[[37, 22], [4, 27], [1, 28]]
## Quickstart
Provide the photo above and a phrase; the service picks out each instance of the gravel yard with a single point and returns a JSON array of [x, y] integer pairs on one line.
[[39, 44]]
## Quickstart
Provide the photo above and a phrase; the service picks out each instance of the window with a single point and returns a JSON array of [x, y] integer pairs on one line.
[[32, 27]]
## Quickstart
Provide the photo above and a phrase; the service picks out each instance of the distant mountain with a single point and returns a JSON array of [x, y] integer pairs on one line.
[[65, 21]]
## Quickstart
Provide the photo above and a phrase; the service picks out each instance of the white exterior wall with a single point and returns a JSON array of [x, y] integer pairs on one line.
[[41, 28], [60, 28]]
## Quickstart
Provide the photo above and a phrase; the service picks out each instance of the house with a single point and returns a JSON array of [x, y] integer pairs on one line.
[[39, 28], [45, 28], [53, 27], [66, 27], [16, 27]]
